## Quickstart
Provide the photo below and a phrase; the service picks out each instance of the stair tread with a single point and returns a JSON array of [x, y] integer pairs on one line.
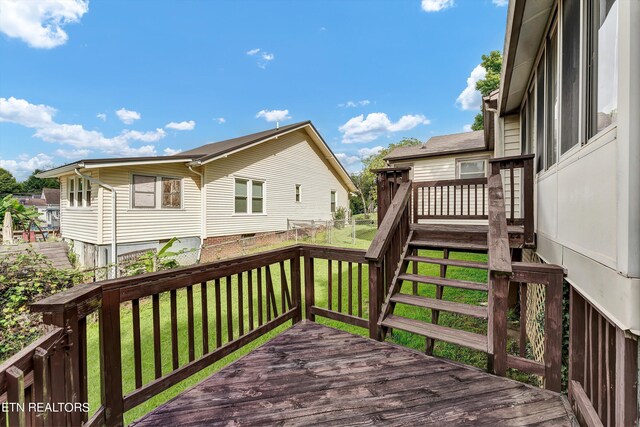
[[463, 284], [442, 333], [448, 244], [452, 262], [436, 304]]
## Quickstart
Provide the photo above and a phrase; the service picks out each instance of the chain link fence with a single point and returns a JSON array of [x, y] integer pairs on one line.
[[343, 232]]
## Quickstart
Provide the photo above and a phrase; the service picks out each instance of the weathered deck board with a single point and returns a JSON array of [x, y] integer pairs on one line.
[[312, 374]]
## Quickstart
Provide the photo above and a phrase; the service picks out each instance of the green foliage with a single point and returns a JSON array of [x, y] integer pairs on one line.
[[33, 184], [339, 217], [492, 63], [151, 261], [20, 214], [8, 183], [26, 278], [478, 122]]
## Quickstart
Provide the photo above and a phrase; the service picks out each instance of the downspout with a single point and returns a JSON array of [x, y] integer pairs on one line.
[[203, 204], [114, 246], [497, 134]]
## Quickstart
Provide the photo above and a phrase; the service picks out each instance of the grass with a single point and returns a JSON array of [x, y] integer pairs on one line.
[[442, 349]]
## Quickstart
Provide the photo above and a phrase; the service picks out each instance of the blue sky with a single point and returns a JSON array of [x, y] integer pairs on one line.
[[119, 78]]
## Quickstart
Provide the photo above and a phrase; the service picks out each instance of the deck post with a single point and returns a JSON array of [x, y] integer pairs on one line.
[[553, 333], [110, 350], [376, 281], [527, 182], [497, 330], [309, 287], [296, 288]]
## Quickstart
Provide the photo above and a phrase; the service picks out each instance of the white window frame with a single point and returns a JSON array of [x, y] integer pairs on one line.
[[250, 182], [335, 208], [158, 192], [298, 193], [86, 184], [470, 160]]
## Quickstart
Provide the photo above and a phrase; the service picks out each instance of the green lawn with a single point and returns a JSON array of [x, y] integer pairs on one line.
[[442, 349]]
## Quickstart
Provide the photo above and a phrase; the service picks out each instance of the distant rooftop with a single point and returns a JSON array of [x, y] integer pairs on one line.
[[441, 145]]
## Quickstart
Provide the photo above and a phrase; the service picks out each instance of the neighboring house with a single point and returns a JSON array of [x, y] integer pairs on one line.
[[228, 189], [48, 205]]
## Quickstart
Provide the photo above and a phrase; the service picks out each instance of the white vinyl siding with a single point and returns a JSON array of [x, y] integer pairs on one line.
[[442, 167], [281, 164], [140, 225]]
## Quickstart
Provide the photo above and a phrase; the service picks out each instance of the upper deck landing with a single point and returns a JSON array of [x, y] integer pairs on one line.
[[312, 374]]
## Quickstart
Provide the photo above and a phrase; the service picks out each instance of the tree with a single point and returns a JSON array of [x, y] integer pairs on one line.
[[8, 183], [492, 63], [33, 184], [365, 181]]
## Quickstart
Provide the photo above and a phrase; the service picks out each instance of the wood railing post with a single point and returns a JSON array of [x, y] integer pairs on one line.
[[497, 330], [110, 351], [309, 287], [296, 288], [553, 333], [527, 184], [376, 283]]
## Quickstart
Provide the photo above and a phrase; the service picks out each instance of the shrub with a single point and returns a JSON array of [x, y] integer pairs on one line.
[[25, 278], [339, 217]]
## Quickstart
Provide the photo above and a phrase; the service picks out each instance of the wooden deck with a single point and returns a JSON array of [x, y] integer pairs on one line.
[[312, 374]]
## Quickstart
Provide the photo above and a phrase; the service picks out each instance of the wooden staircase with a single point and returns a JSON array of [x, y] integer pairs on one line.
[[445, 239]]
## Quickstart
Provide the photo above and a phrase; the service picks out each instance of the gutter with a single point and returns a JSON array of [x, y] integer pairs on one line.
[[114, 246]]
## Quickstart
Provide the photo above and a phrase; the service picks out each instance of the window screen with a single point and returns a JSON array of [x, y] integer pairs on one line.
[[257, 197], [552, 100], [540, 101], [241, 193], [144, 191], [468, 169], [570, 74]]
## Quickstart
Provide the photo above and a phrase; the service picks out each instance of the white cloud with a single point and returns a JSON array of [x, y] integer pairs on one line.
[[182, 125], [253, 52], [23, 167], [23, 113], [220, 120], [171, 151], [353, 104], [346, 159], [127, 116], [367, 152], [265, 59], [73, 154], [361, 129], [470, 98], [102, 116], [467, 128], [500, 3], [39, 22], [436, 5], [40, 118], [273, 115]]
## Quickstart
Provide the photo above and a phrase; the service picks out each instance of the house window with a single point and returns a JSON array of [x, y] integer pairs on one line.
[[257, 197], [540, 101], [79, 192], [552, 107], [468, 169], [570, 75], [602, 67], [249, 190], [333, 201], [144, 191], [171, 193], [298, 193]]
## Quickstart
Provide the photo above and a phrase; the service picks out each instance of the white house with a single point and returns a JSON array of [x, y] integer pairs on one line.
[[238, 187]]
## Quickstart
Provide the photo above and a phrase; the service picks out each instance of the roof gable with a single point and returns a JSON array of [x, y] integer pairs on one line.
[[442, 145]]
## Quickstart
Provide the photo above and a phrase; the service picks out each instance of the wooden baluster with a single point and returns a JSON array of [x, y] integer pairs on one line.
[[190, 324], [468, 199], [309, 287], [339, 286], [329, 285], [137, 356], [229, 311], [428, 201], [484, 186], [157, 349], [350, 288], [271, 296], [250, 298], [414, 270], [41, 386], [205, 318], [415, 204], [259, 277], [296, 287], [240, 306], [284, 289], [83, 361], [448, 203], [174, 329], [455, 191], [359, 290], [110, 343], [441, 201], [218, 313], [476, 190], [375, 283], [15, 395]]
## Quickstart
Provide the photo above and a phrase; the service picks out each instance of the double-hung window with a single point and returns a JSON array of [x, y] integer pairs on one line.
[[79, 192], [298, 193], [334, 196], [249, 196]]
